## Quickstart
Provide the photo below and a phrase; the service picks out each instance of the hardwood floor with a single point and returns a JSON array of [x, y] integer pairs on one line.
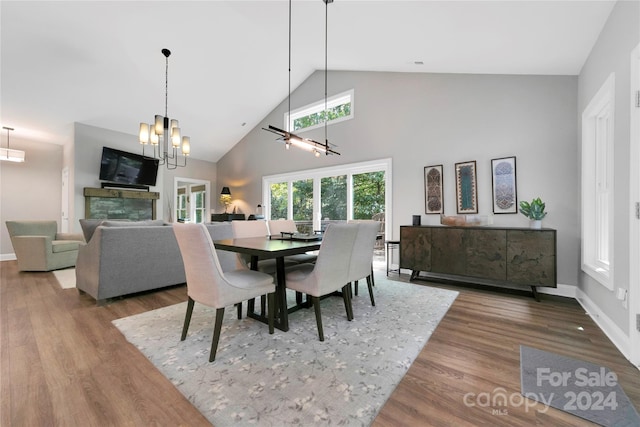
[[63, 363]]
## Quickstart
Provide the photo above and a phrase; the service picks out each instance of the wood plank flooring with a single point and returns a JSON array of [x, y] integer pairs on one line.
[[63, 363]]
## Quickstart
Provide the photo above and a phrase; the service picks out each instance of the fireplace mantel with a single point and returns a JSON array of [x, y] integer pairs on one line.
[[109, 203]]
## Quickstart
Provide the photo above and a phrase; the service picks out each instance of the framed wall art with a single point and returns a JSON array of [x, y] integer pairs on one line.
[[466, 188], [503, 181], [433, 194]]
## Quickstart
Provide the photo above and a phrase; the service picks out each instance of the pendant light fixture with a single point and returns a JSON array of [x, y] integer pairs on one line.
[[9, 155], [164, 134], [287, 136]]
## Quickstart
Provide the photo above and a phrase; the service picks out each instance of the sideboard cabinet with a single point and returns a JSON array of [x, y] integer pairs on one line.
[[503, 257]]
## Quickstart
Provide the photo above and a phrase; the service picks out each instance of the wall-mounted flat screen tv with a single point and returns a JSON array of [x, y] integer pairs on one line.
[[127, 168]]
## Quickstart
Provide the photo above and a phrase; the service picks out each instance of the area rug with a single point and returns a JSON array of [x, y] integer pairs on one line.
[[66, 278], [291, 378], [581, 388]]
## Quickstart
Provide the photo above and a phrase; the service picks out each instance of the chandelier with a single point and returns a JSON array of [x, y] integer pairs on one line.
[[9, 155], [287, 136], [169, 147]]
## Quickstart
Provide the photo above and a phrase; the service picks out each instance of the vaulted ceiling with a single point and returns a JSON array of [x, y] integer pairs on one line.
[[100, 63]]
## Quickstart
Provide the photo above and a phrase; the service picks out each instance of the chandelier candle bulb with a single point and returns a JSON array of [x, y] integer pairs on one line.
[[144, 133], [159, 125], [175, 137], [186, 145]]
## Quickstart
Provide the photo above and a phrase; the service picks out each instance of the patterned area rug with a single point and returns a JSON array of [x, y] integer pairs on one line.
[[66, 278], [291, 378]]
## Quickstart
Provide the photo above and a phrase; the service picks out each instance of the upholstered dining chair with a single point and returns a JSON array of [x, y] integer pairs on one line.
[[361, 266], [258, 228], [330, 272], [207, 284], [279, 226]]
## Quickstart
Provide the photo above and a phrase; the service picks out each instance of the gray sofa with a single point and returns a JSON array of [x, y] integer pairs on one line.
[[122, 258]]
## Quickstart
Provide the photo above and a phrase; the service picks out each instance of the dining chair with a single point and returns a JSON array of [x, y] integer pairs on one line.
[[207, 284], [361, 266], [279, 226], [258, 228], [330, 272]]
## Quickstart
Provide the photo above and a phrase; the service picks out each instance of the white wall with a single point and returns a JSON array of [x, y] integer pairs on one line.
[[611, 53], [426, 119], [30, 190]]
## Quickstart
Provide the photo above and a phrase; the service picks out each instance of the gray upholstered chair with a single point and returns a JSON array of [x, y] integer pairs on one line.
[[39, 247], [258, 228], [330, 272], [207, 284], [279, 226], [362, 257]]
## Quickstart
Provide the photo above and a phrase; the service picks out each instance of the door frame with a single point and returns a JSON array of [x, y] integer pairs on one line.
[[634, 221], [191, 181]]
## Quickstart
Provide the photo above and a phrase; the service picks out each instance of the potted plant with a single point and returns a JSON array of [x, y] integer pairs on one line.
[[534, 211]]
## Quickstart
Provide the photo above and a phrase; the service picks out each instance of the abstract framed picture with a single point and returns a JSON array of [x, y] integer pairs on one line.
[[466, 188], [503, 181], [433, 194]]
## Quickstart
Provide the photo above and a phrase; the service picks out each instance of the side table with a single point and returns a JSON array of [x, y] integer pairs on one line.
[[391, 245]]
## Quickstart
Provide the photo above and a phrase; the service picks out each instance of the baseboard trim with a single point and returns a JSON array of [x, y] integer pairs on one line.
[[561, 290], [608, 326], [8, 257]]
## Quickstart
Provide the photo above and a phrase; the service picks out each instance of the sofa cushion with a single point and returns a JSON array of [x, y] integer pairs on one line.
[[64, 245]]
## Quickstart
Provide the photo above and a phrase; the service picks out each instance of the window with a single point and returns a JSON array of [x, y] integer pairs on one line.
[[333, 198], [190, 197], [339, 108], [317, 197], [278, 200], [597, 185], [198, 197], [181, 204]]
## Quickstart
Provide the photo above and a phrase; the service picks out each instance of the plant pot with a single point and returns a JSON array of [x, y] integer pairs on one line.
[[536, 224]]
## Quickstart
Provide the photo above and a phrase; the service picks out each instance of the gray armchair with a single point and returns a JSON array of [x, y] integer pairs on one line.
[[39, 246]]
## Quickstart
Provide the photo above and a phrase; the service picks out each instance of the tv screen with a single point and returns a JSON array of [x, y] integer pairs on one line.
[[127, 168]]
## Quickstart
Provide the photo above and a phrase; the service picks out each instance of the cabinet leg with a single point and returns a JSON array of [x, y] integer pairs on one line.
[[414, 274], [535, 293]]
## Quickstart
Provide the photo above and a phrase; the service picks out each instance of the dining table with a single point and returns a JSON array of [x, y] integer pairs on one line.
[[259, 248]]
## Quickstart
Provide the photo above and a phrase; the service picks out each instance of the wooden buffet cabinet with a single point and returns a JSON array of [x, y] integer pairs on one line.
[[503, 257]]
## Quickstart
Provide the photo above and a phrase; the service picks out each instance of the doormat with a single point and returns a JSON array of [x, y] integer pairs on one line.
[[580, 388]]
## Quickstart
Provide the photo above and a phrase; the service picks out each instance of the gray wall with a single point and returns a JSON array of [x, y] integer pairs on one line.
[[610, 54], [427, 119], [31, 190], [89, 141]]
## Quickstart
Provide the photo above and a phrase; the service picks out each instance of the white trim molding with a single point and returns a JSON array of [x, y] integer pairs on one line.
[[598, 118], [608, 326]]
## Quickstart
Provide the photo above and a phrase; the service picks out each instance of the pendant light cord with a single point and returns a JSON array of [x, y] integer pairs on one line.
[[326, 33], [166, 86], [289, 100]]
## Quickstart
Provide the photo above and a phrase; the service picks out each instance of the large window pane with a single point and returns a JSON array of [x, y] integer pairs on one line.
[[368, 194], [303, 200], [199, 205], [333, 198], [279, 200]]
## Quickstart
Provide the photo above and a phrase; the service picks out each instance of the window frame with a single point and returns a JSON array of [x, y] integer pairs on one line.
[[598, 123], [319, 173], [318, 107]]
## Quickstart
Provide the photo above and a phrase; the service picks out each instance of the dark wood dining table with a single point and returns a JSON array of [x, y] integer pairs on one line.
[[265, 248]]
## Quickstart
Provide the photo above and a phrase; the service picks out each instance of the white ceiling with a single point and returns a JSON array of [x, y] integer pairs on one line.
[[99, 63]]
